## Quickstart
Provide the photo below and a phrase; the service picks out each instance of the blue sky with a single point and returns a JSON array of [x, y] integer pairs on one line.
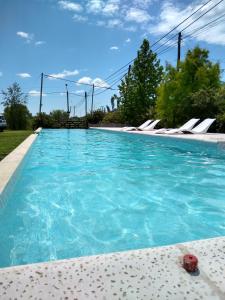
[[87, 40]]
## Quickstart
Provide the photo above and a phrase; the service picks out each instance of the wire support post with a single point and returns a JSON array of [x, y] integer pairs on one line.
[[41, 92], [92, 98], [179, 49]]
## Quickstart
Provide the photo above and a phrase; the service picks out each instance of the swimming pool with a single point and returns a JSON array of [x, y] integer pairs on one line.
[[84, 192]]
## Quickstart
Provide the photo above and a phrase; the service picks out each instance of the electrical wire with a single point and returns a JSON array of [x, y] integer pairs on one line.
[[215, 22], [68, 80], [202, 15], [165, 35]]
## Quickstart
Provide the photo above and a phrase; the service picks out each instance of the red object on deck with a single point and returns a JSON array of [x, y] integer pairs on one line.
[[190, 263]]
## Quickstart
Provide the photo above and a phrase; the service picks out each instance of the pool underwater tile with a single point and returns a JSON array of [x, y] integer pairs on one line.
[[154, 273]]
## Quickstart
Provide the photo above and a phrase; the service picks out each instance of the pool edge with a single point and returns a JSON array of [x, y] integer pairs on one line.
[[11, 162], [134, 274], [214, 138]]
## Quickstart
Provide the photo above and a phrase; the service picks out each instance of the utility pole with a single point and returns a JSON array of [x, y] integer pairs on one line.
[[179, 49], [41, 91], [92, 98], [85, 95], [129, 69], [67, 100]]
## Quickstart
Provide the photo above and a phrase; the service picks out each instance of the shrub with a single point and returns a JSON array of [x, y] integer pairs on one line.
[[42, 120], [113, 117], [96, 117]]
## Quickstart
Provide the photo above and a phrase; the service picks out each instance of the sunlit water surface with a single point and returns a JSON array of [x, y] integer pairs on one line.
[[84, 192]]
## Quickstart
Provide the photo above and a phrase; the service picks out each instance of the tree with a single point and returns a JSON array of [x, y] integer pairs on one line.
[[16, 112], [138, 88], [176, 101]]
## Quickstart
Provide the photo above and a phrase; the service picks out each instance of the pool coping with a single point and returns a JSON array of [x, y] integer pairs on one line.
[[152, 273], [11, 162], [218, 138]]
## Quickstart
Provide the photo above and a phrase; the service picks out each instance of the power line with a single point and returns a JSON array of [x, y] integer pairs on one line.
[[174, 28], [205, 26], [46, 93], [202, 15], [68, 80], [168, 47], [195, 33]]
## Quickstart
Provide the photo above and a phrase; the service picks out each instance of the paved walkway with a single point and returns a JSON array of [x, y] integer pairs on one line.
[[149, 274], [207, 137]]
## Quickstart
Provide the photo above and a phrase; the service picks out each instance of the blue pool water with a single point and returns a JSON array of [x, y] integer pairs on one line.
[[84, 192]]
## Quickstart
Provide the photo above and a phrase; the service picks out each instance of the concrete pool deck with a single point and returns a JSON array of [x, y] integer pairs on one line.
[[207, 137], [154, 273], [10, 163]]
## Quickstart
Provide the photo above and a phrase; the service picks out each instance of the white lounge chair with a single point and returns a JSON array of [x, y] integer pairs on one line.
[[187, 126], [201, 128], [151, 126], [145, 124]]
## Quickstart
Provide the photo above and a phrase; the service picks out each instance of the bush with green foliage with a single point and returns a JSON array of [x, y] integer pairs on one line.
[[113, 117], [58, 116], [190, 91], [96, 117], [42, 120]]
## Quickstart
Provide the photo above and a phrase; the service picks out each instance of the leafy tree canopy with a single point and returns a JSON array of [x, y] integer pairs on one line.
[[138, 88], [16, 112], [13, 95], [176, 100]]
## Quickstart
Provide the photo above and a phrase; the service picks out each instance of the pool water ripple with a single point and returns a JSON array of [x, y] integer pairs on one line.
[[84, 192]]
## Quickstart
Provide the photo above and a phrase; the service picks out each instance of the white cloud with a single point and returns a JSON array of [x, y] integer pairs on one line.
[[98, 82], [114, 23], [111, 7], [24, 75], [114, 48], [39, 43], [128, 40], [85, 80], [137, 15], [79, 18], [80, 92], [64, 74], [35, 93], [130, 28], [170, 14], [1, 74], [24, 35], [142, 3], [95, 6], [71, 6]]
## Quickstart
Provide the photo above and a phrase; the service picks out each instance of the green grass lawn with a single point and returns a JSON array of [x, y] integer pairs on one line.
[[10, 139]]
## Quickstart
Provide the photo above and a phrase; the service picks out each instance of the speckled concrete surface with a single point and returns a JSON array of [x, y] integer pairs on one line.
[[207, 137], [148, 274]]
